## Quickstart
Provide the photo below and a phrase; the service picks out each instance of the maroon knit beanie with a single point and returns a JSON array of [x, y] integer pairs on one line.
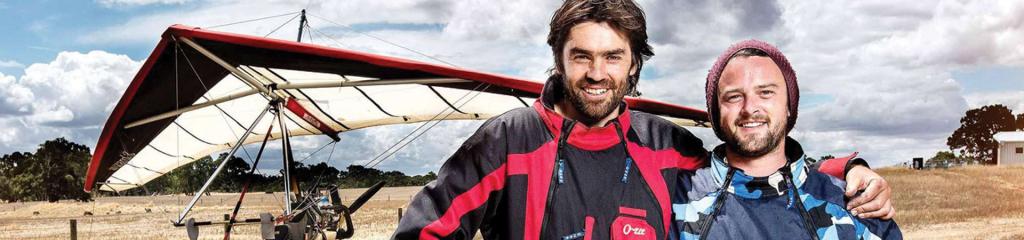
[[711, 89]]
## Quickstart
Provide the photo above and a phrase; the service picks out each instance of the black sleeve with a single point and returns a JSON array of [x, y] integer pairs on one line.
[[466, 192]]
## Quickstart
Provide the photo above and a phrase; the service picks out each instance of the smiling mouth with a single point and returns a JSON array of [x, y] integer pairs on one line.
[[753, 124], [595, 91]]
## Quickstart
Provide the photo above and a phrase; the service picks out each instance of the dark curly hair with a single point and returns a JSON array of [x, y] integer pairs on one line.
[[623, 15]]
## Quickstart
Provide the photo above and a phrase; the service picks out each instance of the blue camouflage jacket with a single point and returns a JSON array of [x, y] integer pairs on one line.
[[766, 207]]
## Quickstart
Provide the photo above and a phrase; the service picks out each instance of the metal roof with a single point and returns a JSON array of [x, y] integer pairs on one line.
[[1017, 136]]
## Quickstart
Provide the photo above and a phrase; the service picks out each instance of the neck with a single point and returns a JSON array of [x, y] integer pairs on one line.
[[566, 109], [759, 166]]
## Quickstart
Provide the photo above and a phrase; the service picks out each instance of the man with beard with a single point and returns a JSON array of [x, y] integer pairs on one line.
[[758, 185], [578, 164]]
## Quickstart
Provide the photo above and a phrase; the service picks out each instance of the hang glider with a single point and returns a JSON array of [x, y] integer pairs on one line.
[[199, 91]]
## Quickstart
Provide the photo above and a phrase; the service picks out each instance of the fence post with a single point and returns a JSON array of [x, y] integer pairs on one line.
[[74, 229], [399, 215]]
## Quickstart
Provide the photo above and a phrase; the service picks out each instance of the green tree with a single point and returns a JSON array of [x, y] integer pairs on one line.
[[55, 171], [11, 167], [62, 165], [943, 158], [974, 137]]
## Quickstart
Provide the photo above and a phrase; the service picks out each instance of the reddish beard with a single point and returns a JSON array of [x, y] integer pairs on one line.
[[593, 111], [755, 145]]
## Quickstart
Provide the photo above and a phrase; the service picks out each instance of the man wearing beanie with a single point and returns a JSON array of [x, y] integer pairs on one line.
[[758, 185], [579, 163]]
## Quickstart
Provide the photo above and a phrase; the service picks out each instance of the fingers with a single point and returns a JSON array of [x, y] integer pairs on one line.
[[852, 185], [886, 212], [878, 207], [869, 194], [892, 214]]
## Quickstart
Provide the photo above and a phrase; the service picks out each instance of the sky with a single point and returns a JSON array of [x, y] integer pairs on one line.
[[888, 79]]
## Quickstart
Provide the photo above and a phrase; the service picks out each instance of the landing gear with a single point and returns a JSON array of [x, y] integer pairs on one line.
[[317, 216]]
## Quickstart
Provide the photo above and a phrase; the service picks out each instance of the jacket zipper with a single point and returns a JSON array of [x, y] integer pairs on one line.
[[808, 224], [567, 126], [719, 202], [632, 164]]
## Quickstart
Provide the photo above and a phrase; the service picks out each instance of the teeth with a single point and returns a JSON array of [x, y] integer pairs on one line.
[[752, 124], [596, 91]]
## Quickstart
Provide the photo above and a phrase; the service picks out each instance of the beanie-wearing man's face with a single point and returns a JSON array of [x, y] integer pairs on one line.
[[752, 99], [597, 61]]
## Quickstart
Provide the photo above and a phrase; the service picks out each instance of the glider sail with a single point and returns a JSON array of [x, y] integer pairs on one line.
[[200, 90]]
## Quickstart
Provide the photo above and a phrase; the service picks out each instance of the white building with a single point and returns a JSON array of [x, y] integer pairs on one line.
[[1011, 148]]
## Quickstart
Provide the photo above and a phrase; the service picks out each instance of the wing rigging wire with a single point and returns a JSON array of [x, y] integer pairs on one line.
[[251, 20], [422, 128], [282, 25], [224, 114], [433, 122]]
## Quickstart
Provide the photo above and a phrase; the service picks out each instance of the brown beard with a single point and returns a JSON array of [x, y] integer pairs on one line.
[[757, 146], [593, 112]]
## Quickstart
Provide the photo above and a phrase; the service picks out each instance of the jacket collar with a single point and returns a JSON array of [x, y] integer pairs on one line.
[[582, 136], [751, 187]]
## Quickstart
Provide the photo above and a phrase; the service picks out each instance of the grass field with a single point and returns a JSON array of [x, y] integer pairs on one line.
[[975, 202], [127, 217], [962, 203]]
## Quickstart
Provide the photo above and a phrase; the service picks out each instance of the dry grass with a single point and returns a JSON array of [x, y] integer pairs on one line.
[[126, 217], [962, 203], [975, 202]]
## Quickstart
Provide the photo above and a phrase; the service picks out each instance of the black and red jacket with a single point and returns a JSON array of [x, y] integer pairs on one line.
[[532, 174]]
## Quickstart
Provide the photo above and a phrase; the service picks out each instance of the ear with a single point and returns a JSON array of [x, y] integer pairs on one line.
[[633, 70]]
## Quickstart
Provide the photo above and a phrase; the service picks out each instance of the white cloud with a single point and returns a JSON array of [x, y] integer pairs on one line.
[[70, 97], [878, 150], [1011, 99], [11, 64], [16, 98], [959, 34], [502, 21], [85, 86]]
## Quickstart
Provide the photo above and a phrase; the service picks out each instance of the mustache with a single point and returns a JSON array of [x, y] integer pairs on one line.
[[754, 117]]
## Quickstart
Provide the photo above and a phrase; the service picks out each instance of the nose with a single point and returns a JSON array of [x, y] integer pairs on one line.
[[751, 106], [598, 71]]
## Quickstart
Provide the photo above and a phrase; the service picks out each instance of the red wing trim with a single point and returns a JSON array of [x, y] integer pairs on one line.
[[115, 116], [300, 111], [379, 60], [464, 203]]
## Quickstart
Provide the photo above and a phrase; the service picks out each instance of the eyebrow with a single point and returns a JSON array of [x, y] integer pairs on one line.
[[733, 90], [762, 86], [770, 85], [576, 50]]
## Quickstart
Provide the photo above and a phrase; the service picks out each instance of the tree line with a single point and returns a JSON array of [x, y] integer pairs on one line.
[[56, 171], [188, 179]]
